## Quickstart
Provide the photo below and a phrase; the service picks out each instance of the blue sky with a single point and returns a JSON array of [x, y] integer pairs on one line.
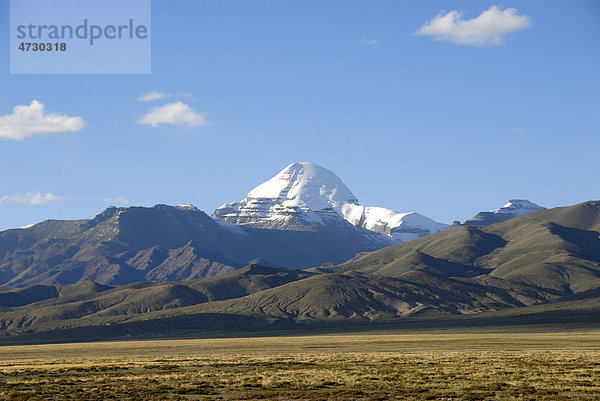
[[442, 127]]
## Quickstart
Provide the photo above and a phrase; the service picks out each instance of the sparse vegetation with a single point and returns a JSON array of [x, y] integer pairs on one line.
[[476, 366]]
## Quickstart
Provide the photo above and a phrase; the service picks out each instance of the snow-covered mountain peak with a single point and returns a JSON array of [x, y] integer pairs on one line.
[[305, 194], [305, 185], [514, 208], [517, 207]]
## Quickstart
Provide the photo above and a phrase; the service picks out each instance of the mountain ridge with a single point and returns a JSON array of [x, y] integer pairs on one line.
[[166, 243], [542, 267]]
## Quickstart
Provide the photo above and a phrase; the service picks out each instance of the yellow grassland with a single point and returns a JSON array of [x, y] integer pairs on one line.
[[445, 366]]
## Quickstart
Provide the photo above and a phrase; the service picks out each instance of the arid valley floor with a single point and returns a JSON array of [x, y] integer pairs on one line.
[[376, 366]]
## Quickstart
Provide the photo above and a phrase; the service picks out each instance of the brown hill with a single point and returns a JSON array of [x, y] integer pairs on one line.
[[554, 249]]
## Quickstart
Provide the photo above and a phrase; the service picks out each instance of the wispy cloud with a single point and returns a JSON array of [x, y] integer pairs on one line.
[[518, 129], [187, 95], [368, 42], [31, 199], [119, 200], [150, 96], [177, 113], [487, 29], [154, 95], [27, 121]]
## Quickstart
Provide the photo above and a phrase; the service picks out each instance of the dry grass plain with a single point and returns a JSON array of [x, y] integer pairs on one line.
[[476, 366]]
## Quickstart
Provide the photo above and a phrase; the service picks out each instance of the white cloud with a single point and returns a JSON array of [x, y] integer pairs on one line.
[[31, 199], [26, 121], [518, 129], [368, 42], [119, 200], [150, 96], [488, 29], [173, 113]]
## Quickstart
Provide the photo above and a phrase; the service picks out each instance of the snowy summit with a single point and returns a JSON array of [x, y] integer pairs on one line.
[[305, 185], [305, 191], [514, 208], [517, 207]]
